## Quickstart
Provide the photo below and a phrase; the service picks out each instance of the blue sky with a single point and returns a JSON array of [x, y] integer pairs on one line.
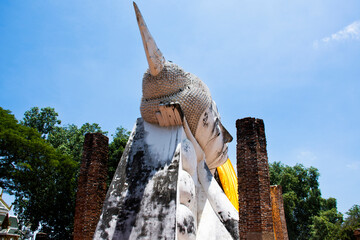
[[295, 64]]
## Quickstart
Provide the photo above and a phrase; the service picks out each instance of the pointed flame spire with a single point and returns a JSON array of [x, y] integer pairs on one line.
[[154, 56]]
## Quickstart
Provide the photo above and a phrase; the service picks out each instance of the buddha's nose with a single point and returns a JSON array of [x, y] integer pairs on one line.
[[226, 135]]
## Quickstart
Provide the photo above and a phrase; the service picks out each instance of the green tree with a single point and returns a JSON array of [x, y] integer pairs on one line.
[[41, 178], [42, 174], [353, 218], [70, 139], [327, 225], [328, 204], [39, 164], [301, 194], [352, 222], [116, 149], [43, 120]]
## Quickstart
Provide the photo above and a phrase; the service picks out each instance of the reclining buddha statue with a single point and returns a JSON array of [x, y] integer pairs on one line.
[[164, 185]]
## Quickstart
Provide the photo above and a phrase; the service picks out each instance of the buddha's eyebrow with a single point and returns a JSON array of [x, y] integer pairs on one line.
[[215, 110]]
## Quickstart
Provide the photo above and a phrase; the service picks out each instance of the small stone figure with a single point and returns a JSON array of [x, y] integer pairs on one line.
[[164, 186]]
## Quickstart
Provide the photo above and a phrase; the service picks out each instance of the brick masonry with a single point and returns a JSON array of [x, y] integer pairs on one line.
[[278, 213], [357, 234], [255, 213], [91, 185]]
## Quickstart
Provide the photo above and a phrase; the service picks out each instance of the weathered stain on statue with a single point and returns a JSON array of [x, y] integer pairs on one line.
[[187, 226]]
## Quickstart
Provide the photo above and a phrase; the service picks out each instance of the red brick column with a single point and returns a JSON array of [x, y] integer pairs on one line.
[[278, 213], [91, 185], [357, 234], [255, 213]]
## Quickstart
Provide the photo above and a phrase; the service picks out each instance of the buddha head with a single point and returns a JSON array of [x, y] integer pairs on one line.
[[165, 82]]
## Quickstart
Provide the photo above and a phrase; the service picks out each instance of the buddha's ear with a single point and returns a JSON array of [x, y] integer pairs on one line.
[[170, 114]]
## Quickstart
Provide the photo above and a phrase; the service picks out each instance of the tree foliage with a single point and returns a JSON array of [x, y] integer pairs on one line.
[[301, 194], [70, 139], [352, 222], [41, 178], [308, 215], [327, 225], [39, 164], [353, 218], [43, 120]]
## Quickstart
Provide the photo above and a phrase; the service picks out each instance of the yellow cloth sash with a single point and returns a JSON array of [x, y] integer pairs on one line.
[[229, 182]]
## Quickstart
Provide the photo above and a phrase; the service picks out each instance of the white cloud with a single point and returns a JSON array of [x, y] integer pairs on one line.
[[353, 165], [307, 158], [351, 32]]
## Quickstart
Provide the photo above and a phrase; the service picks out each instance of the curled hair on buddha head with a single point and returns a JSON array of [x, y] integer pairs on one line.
[[166, 82]]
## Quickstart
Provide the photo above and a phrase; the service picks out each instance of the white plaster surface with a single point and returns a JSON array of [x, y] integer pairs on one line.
[[217, 198], [162, 141], [186, 189], [141, 201], [188, 156], [149, 215], [210, 227], [186, 226]]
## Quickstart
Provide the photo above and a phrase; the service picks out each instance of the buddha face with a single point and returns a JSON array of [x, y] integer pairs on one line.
[[213, 137]]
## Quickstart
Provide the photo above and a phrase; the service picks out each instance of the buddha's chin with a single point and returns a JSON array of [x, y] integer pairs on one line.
[[220, 160]]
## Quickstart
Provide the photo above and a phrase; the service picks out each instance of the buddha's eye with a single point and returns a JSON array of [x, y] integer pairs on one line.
[[217, 127], [205, 119]]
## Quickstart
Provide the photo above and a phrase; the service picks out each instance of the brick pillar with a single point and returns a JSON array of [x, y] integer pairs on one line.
[[357, 234], [255, 214], [278, 214], [91, 185]]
